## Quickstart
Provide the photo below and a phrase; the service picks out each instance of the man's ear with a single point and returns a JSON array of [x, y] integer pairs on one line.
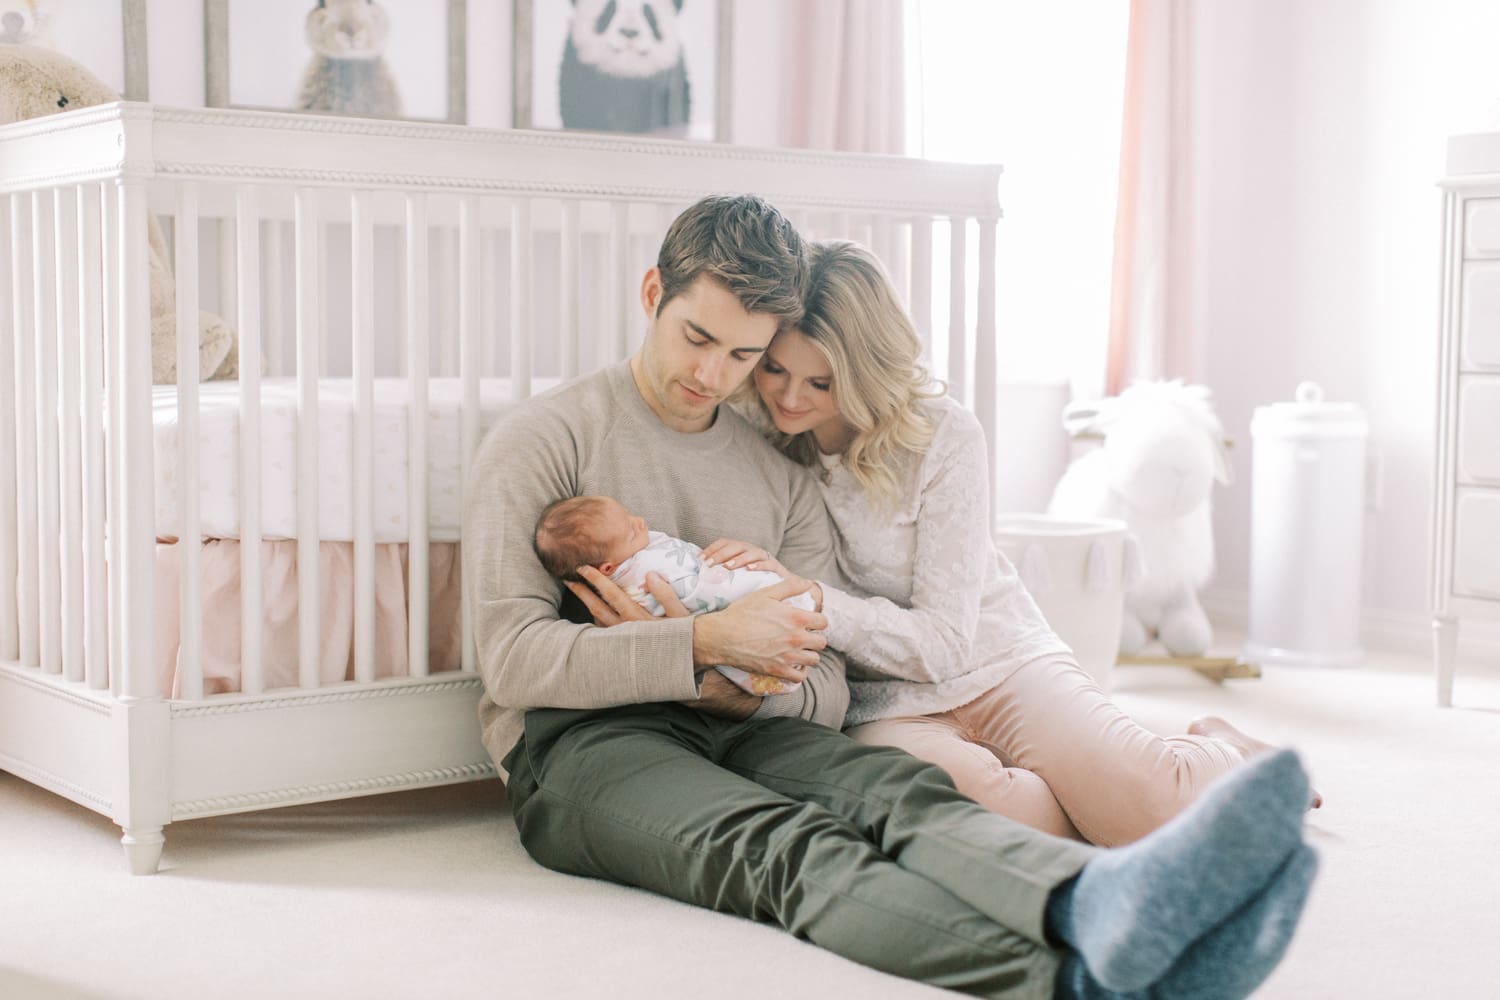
[[651, 292]]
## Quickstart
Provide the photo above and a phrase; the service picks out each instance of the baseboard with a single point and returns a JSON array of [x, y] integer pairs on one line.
[[1396, 631]]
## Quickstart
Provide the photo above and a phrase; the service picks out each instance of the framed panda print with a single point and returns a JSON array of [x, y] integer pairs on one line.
[[647, 67]]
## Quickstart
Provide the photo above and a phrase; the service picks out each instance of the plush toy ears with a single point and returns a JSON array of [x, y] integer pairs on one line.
[[1087, 418]]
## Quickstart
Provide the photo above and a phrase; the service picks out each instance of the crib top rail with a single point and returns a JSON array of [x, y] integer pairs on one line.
[[130, 139]]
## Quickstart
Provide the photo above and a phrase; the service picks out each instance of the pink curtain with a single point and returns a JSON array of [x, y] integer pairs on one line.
[[846, 83], [1151, 331]]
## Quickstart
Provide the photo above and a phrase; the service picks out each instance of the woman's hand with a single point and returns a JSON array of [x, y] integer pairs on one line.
[[732, 554], [610, 605]]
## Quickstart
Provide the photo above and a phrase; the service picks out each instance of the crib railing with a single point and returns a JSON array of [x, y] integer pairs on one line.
[[352, 217]]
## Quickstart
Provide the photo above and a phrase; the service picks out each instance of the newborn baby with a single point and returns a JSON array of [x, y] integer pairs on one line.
[[600, 532]]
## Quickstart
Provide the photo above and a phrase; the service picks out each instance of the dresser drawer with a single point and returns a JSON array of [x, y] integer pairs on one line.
[[1479, 343], [1476, 543], [1482, 227], [1479, 430]]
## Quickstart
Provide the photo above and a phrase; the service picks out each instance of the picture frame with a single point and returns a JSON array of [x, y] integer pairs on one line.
[[109, 39], [620, 87], [270, 55]]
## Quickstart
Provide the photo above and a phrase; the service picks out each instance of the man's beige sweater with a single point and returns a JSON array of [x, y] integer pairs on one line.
[[596, 435]]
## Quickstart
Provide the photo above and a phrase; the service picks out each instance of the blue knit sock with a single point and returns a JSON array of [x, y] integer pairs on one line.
[[1131, 912], [1228, 962]]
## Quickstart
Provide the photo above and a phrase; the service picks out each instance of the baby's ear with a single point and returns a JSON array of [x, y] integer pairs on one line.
[[608, 568]]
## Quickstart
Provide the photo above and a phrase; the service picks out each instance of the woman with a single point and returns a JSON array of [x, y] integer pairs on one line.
[[948, 656]]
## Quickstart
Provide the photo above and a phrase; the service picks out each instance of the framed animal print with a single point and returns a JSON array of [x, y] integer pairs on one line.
[[365, 58], [650, 67]]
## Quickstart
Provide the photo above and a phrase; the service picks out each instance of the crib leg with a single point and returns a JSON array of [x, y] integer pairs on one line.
[[143, 849]]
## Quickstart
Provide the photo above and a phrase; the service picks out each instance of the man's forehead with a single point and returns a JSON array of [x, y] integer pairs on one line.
[[715, 311]]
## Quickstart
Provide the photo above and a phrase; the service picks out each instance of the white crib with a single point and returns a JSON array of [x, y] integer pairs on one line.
[[393, 286]]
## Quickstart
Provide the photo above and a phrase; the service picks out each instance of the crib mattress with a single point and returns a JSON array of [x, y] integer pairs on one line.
[[219, 464]]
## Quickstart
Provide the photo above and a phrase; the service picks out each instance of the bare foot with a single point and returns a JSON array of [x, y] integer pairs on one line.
[[1216, 728]]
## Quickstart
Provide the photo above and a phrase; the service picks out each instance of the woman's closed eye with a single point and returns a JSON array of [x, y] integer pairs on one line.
[[772, 368]]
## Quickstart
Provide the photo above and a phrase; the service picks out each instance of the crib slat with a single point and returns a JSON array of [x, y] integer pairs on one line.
[[489, 318], [228, 299], [189, 541], [986, 369], [958, 384], [138, 564], [272, 266], [921, 281], [417, 553], [522, 328], [882, 240], [568, 290], [70, 448], [863, 233], [49, 597], [802, 219], [91, 326], [618, 323], [310, 347], [322, 283], [22, 221], [468, 430], [247, 272], [443, 254], [115, 420], [10, 293], [362, 233]]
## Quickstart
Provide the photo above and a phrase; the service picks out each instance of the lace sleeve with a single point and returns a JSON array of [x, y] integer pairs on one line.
[[933, 639]]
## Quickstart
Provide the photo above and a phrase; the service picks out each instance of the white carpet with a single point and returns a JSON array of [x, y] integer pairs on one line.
[[428, 894]]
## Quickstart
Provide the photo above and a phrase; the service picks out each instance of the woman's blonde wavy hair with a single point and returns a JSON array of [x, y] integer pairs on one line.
[[852, 316]]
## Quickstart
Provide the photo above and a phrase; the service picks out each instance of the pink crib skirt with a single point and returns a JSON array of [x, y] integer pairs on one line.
[[219, 576]]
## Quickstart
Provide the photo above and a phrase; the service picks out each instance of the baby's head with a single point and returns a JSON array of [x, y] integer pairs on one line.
[[587, 531]]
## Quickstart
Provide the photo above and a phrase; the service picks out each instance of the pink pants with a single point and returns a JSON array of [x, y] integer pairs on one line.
[[1048, 749]]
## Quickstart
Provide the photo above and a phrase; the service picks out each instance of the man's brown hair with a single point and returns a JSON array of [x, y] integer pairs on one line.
[[743, 243]]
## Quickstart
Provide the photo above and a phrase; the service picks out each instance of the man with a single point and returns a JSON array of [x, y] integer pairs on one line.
[[629, 759]]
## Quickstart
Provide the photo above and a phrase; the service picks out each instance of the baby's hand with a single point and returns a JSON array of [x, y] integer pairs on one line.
[[733, 554]]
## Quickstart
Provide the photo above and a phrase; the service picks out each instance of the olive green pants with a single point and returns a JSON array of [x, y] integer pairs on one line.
[[865, 851]]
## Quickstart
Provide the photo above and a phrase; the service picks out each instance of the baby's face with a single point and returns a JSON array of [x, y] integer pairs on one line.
[[620, 532]]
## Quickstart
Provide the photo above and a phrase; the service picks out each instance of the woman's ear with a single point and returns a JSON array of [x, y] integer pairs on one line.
[[651, 292]]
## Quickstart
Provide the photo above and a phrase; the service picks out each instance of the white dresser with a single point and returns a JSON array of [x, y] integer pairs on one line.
[[1466, 490]]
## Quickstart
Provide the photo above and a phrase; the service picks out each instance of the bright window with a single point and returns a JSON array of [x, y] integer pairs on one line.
[[1038, 87]]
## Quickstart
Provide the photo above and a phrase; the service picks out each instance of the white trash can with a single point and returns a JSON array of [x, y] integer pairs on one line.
[[1076, 573], [1307, 503]]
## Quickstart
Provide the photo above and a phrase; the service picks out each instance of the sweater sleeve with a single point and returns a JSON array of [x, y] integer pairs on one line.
[[530, 657], [932, 640], [807, 550]]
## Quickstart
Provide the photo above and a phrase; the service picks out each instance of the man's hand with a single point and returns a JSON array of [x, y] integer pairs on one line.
[[718, 695], [610, 605], [762, 634]]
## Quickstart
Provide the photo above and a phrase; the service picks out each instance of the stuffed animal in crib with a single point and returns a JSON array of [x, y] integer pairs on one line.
[[37, 81], [347, 74], [623, 68], [1163, 449]]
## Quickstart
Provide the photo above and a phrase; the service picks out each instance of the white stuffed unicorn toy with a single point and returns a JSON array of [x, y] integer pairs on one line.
[[1163, 451]]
